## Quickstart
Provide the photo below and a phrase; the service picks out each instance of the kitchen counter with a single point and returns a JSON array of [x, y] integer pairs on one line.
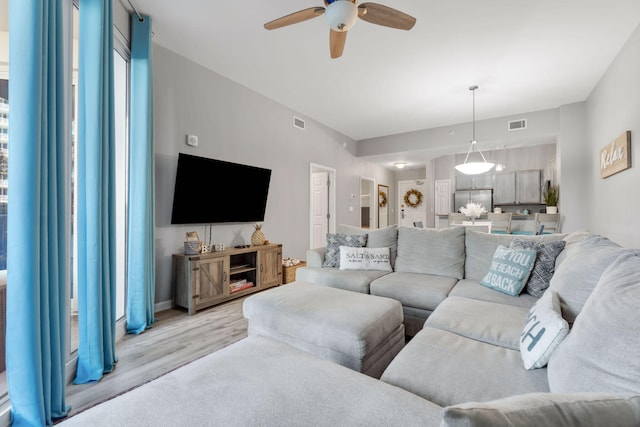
[[519, 222]]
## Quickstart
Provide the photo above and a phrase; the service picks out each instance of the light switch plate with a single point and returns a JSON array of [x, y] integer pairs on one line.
[[192, 140]]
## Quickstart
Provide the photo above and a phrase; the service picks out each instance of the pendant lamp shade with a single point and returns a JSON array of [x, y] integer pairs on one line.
[[475, 162]]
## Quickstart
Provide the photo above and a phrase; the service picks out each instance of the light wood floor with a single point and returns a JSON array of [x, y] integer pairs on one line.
[[174, 340]]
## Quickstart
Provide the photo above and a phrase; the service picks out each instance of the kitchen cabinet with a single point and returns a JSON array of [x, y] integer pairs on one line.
[[520, 187], [504, 192], [529, 186], [473, 182]]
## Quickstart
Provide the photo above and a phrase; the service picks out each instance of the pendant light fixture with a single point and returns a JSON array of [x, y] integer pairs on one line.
[[474, 167]]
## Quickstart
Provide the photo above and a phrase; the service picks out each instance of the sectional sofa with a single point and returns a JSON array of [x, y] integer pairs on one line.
[[563, 355], [468, 337]]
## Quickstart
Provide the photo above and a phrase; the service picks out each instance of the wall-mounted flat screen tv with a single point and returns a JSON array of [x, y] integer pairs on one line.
[[209, 191]]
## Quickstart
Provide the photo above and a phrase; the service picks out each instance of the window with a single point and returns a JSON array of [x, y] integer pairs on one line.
[[121, 57], [121, 101], [4, 157]]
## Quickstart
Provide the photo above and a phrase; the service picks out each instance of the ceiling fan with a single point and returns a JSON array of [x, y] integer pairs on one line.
[[341, 15]]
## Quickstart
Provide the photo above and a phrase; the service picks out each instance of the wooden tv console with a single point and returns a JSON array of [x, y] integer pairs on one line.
[[204, 280]]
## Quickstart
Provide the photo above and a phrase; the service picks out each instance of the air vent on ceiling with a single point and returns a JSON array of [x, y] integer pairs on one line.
[[517, 124], [298, 122]]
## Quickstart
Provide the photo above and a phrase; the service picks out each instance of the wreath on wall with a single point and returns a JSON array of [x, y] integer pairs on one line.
[[413, 198], [382, 197]]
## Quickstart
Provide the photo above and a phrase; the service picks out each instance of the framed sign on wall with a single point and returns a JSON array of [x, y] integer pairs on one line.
[[616, 156]]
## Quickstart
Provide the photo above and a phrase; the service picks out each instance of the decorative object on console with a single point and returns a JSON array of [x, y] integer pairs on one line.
[[543, 331], [258, 238], [474, 167], [473, 210], [192, 244], [413, 198], [509, 270]]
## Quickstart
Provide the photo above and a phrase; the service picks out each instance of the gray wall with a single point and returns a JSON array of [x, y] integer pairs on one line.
[[542, 128], [612, 204], [573, 167], [122, 19], [236, 124]]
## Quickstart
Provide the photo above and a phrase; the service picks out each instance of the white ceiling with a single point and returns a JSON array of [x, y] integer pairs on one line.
[[525, 55]]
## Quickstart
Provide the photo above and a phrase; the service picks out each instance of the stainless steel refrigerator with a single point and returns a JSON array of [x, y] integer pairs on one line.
[[484, 197]]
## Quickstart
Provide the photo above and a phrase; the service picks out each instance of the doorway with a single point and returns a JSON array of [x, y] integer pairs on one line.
[[322, 207], [383, 206], [368, 215], [412, 206]]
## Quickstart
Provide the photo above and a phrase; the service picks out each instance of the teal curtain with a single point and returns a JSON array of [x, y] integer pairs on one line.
[[141, 221], [96, 192], [37, 240]]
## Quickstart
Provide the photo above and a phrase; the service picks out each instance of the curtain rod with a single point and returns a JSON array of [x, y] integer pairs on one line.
[[135, 10]]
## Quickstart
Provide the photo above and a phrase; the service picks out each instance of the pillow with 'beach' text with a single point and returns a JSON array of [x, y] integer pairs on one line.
[[509, 270]]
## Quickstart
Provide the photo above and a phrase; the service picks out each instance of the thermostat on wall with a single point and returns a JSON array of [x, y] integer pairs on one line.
[[192, 140]]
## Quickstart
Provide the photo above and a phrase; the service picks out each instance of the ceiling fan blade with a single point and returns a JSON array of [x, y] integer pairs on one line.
[[383, 15], [294, 18], [337, 40]]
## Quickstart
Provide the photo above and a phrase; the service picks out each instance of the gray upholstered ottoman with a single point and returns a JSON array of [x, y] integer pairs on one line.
[[359, 331]]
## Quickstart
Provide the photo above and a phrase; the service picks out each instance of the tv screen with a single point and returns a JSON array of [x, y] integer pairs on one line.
[[211, 191]]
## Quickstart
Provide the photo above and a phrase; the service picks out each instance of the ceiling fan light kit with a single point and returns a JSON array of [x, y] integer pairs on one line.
[[474, 167], [341, 15]]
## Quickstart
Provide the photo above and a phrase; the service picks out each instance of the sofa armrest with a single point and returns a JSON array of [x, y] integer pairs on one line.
[[535, 409], [315, 257]]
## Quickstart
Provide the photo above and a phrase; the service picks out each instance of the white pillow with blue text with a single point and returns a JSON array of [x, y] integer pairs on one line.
[[544, 330], [364, 258]]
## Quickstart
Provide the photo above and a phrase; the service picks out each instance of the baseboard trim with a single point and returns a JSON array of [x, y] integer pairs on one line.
[[164, 305]]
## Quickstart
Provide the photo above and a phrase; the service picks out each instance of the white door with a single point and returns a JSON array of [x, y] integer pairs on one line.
[[443, 197], [320, 208], [416, 209]]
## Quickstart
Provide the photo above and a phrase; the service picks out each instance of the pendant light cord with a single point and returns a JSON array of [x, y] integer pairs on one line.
[[473, 91]]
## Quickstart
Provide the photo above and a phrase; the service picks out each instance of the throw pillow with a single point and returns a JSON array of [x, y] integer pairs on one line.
[[334, 241], [600, 354], [509, 270], [545, 263], [579, 272], [364, 258], [378, 238], [547, 409], [480, 248], [543, 331]]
